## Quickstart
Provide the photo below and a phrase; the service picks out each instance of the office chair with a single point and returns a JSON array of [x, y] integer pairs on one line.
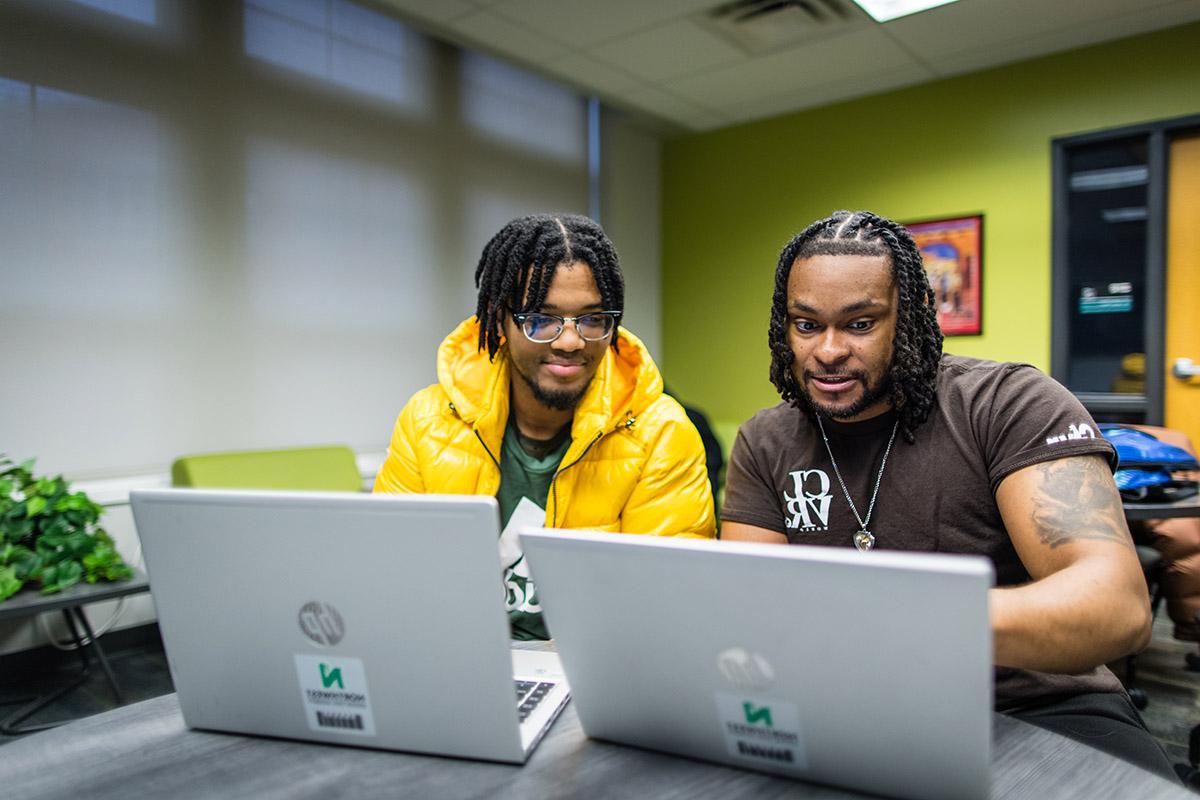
[[330, 468]]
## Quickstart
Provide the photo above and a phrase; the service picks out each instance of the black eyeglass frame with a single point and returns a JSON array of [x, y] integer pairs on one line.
[[520, 317]]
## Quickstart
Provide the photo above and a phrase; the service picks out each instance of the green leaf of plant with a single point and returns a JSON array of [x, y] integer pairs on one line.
[[35, 506], [79, 544], [27, 564], [69, 574], [49, 534], [10, 584], [56, 528], [21, 529]]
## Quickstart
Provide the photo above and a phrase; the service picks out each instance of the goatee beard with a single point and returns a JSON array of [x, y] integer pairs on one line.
[[559, 400], [871, 395]]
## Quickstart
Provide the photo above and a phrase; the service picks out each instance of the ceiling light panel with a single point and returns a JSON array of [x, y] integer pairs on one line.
[[884, 10]]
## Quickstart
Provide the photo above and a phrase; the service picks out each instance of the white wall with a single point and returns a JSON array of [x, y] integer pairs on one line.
[[630, 181]]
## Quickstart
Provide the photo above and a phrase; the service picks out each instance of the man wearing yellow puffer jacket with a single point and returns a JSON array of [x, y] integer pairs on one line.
[[546, 403]]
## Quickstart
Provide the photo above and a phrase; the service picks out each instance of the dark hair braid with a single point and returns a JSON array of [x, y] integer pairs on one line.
[[518, 264], [917, 347]]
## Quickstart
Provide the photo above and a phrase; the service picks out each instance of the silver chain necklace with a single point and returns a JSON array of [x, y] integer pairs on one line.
[[864, 539]]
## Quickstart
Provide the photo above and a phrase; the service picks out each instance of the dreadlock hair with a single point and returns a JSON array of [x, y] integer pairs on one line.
[[917, 347], [518, 264]]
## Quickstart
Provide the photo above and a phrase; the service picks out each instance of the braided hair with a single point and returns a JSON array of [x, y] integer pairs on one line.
[[917, 347], [519, 262]]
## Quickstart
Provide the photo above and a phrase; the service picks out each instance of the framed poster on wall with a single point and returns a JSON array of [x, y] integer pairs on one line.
[[952, 249]]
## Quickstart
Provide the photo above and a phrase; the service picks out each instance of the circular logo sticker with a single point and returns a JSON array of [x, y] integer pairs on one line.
[[322, 623], [745, 670]]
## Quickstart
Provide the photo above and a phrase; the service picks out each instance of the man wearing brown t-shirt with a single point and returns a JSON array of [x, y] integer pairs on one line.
[[882, 441]]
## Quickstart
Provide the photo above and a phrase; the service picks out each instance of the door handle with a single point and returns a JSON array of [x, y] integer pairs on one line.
[[1185, 369]]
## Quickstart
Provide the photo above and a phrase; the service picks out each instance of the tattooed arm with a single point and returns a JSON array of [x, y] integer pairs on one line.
[[1087, 604]]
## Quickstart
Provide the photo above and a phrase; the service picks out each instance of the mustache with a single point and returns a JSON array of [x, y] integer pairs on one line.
[[857, 375]]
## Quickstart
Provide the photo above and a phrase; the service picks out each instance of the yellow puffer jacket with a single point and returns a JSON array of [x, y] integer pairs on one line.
[[635, 463]]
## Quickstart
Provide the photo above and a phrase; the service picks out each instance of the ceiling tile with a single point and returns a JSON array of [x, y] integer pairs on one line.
[[668, 51], [971, 25], [835, 91], [591, 74], [668, 106], [1080, 34], [657, 56], [586, 22], [863, 52], [431, 10], [498, 35]]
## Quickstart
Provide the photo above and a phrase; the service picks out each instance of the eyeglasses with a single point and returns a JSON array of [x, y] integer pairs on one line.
[[545, 328]]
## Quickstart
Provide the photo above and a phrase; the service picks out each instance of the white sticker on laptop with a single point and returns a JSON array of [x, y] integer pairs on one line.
[[762, 731], [335, 696]]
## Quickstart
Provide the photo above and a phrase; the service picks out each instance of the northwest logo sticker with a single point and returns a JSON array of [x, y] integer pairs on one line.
[[333, 690], [760, 714], [331, 676], [762, 730]]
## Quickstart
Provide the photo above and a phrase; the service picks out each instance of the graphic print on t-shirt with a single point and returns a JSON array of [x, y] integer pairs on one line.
[[520, 593], [807, 506]]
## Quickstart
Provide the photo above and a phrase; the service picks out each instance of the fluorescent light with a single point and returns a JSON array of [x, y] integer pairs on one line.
[[884, 10]]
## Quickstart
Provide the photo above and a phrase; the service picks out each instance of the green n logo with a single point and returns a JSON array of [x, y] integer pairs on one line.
[[335, 676], [754, 715]]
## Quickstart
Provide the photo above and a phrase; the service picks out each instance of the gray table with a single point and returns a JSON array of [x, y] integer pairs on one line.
[[1189, 507], [144, 750], [70, 602], [30, 601]]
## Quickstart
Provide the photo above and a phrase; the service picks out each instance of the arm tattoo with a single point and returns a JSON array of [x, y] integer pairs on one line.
[[1072, 503]]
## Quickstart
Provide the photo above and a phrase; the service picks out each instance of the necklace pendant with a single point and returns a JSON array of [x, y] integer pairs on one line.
[[864, 540]]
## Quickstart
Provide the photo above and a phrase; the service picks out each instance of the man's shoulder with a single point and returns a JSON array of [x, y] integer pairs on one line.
[[661, 410], [432, 401], [776, 424], [955, 366], [976, 377]]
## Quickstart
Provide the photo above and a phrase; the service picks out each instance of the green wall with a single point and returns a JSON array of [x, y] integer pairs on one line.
[[977, 143]]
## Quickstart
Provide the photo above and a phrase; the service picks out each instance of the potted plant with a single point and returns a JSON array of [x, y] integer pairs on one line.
[[50, 535]]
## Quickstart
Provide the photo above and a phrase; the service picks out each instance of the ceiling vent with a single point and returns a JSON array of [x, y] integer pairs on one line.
[[760, 26]]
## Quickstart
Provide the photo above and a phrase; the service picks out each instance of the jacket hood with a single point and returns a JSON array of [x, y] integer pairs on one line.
[[625, 383]]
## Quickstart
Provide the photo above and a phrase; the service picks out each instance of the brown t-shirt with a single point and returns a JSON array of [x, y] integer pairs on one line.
[[936, 495]]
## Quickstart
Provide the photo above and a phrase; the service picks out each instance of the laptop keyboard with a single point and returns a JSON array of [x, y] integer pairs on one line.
[[529, 695]]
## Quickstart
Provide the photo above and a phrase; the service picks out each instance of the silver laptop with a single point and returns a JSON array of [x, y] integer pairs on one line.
[[866, 670], [366, 620]]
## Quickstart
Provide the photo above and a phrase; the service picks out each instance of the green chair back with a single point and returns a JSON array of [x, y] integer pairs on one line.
[[330, 468]]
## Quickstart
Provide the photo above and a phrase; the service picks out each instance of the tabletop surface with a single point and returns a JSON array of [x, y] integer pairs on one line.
[[1188, 507], [31, 601], [145, 750]]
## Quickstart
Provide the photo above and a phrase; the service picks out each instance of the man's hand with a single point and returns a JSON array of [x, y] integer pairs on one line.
[[1088, 602]]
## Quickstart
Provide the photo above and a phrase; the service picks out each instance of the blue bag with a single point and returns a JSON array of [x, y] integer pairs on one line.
[[1145, 466]]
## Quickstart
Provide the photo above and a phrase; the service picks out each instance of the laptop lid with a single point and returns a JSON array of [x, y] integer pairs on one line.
[[366, 620], [866, 670]]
